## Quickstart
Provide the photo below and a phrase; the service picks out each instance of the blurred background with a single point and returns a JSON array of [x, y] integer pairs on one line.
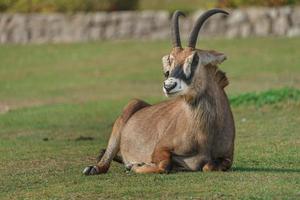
[[68, 67], [43, 21], [115, 5]]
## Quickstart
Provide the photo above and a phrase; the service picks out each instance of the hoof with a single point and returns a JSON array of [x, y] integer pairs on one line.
[[91, 170]]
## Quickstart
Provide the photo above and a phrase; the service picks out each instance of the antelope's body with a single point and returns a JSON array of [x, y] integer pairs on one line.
[[192, 131]]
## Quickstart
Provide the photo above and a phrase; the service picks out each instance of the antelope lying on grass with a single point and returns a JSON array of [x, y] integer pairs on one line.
[[193, 131]]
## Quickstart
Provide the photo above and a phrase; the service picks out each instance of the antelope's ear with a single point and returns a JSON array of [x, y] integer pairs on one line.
[[211, 57]]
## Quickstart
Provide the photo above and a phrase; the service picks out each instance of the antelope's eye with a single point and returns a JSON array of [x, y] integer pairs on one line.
[[167, 73]]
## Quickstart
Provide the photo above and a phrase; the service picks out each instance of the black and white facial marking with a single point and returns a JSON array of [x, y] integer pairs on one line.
[[178, 76]]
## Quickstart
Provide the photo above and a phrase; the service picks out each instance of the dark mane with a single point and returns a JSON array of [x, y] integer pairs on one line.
[[221, 78]]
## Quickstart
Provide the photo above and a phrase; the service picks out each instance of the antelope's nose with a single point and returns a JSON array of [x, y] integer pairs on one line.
[[169, 84]]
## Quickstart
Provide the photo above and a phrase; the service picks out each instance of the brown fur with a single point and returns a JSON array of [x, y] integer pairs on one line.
[[194, 131], [114, 141]]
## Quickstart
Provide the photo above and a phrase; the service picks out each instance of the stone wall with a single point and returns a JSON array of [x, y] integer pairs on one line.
[[43, 28]]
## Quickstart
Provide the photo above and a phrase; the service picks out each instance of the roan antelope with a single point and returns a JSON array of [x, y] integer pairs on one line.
[[193, 131]]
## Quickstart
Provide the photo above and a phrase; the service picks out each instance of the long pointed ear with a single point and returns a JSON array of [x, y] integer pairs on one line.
[[211, 57]]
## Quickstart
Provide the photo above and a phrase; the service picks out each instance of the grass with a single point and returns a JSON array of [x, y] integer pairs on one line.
[[58, 93], [62, 73], [267, 97]]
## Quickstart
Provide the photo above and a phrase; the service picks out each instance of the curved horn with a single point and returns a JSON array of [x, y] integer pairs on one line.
[[200, 21], [175, 29]]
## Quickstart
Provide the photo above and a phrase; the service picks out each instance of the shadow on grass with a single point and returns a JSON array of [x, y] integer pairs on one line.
[[260, 169]]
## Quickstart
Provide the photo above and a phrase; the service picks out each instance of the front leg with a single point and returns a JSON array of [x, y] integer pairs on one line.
[[161, 162]]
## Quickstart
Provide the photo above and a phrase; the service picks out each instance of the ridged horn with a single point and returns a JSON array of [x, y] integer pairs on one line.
[[200, 21], [175, 28]]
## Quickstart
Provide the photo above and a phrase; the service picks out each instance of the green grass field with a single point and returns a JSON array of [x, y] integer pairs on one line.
[[55, 94]]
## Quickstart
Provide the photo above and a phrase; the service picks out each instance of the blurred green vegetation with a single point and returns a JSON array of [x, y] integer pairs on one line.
[[70, 6], [66, 5], [238, 3], [172, 5], [267, 97], [192, 5]]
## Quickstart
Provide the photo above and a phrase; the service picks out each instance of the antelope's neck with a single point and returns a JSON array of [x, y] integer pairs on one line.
[[205, 111]]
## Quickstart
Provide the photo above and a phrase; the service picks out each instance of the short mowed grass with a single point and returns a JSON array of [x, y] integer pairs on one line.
[[63, 98]]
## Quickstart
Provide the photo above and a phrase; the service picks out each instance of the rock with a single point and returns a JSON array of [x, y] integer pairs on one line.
[[285, 11], [282, 23], [36, 28], [245, 30], [126, 24], [186, 25], [232, 32], [273, 13], [196, 15], [110, 31], [262, 27], [144, 26], [161, 25], [161, 19], [293, 32], [16, 29], [4, 19], [295, 17], [54, 31], [237, 17], [42, 28], [256, 13], [280, 26]]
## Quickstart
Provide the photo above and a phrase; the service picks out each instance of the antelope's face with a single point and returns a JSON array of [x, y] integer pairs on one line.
[[183, 66], [180, 66]]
